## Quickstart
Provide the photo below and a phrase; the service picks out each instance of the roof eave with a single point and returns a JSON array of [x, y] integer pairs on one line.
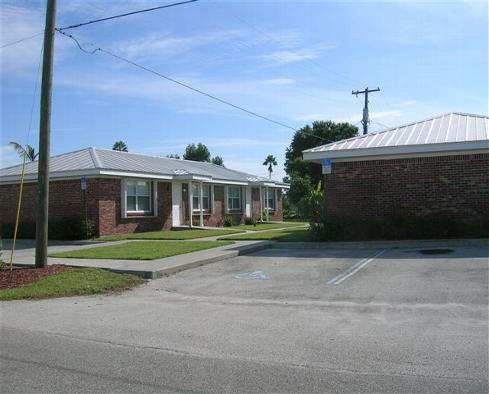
[[398, 150]]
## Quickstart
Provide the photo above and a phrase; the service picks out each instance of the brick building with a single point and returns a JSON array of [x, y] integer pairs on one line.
[[127, 192], [438, 166]]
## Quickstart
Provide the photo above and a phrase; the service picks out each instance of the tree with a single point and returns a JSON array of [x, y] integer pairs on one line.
[[120, 146], [218, 160], [198, 152], [270, 161], [304, 175], [173, 156], [28, 151]]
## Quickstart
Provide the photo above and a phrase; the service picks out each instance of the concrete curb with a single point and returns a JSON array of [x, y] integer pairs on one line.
[[418, 244], [172, 269], [167, 266]]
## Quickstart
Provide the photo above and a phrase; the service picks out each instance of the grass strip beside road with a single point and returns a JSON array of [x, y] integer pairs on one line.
[[141, 250], [288, 235], [75, 281], [269, 226], [172, 234]]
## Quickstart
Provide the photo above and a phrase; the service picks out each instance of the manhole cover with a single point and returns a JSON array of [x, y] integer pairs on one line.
[[436, 251]]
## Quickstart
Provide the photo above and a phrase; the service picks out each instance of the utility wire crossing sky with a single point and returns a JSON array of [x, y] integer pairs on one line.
[[290, 62]]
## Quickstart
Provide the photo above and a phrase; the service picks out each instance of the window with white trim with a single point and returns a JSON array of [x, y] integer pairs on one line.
[[206, 197], [269, 203], [139, 197], [234, 198]]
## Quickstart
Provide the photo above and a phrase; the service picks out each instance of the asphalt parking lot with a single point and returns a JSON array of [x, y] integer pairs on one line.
[[280, 320], [405, 276]]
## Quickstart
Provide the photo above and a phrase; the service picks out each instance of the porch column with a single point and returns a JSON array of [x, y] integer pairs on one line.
[[266, 204], [261, 204], [201, 203], [248, 202], [190, 204]]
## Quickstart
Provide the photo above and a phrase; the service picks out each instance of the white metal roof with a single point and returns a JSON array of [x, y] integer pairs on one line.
[[95, 161], [450, 132]]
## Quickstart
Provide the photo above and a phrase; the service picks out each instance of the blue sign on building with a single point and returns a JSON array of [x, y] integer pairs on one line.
[[326, 166]]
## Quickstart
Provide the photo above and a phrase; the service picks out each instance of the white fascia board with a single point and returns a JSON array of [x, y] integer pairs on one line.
[[414, 150], [221, 182], [190, 177], [270, 184], [135, 175], [63, 175]]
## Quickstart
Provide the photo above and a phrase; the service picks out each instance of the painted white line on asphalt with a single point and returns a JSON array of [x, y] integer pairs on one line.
[[354, 269]]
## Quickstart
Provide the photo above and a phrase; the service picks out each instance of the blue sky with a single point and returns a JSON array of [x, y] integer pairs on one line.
[[293, 61]]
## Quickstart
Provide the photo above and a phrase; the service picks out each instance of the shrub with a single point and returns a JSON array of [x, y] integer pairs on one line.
[[250, 221], [230, 221], [61, 229], [393, 227]]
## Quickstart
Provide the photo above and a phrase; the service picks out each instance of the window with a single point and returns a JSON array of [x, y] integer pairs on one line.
[[270, 203], [206, 193], [139, 197], [234, 198]]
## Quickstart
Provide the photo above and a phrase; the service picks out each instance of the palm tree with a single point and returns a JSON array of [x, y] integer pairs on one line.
[[120, 146], [28, 151], [270, 161]]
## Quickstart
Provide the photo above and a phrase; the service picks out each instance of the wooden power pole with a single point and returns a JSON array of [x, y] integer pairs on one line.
[[365, 119], [44, 137]]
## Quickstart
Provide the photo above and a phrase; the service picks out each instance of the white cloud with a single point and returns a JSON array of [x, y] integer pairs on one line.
[[169, 44], [278, 81], [288, 56]]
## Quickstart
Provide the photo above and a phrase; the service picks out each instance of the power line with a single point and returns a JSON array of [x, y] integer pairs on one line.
[[38, 74], [211, 96], [20, 40], [126, 14]]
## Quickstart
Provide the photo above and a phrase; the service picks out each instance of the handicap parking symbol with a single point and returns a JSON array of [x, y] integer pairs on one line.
[[259, 275]]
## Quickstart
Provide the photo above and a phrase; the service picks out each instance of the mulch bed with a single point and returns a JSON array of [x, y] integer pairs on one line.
[[21, 276]]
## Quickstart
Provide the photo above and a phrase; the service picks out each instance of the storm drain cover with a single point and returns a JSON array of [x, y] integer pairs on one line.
[[256, 275], [436, 251]]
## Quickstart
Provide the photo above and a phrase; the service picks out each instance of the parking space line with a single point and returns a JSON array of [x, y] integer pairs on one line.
[[354, 268]]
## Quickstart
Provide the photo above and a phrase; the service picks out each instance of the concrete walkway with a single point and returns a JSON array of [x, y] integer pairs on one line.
[[149, 269]]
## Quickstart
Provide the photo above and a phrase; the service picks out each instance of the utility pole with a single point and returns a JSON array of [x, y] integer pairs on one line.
[[44, 137], [365, 119]]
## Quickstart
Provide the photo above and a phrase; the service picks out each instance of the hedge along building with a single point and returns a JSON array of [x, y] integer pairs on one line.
[[435, 167], [125, 192]]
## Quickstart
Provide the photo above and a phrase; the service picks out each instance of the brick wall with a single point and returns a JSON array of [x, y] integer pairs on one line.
[[108, 195], [450, 186], [66, 201]]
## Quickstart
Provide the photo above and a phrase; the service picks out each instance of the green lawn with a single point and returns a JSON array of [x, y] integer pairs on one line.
[[269, 226], [142, 250], [289, 235], [172, 234], [76, 281]]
